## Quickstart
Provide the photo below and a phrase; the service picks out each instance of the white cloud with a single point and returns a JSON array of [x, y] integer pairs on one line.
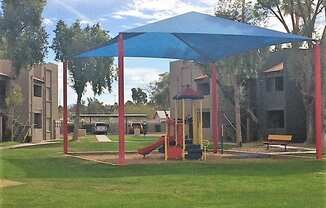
[[83, 18], [86, 22], [153, 10], [134, 77], [102, 19], [49, 21], [140, 77]]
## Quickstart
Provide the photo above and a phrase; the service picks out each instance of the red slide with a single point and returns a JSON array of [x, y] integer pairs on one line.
[[146, 150]]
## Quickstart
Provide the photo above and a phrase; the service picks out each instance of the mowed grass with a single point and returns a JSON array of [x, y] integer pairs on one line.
[[54, 180], [89, 143], [9, 143]]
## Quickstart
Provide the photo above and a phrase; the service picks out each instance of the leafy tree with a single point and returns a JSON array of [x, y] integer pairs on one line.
[[303, 16], [236, 70], [240, 10], [23, 37], [148, 109], [159, 92], [138, 95], [99, 72], [13, 101], [96, 106]]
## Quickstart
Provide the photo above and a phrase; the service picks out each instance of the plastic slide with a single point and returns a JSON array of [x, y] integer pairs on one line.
[[148, 149]]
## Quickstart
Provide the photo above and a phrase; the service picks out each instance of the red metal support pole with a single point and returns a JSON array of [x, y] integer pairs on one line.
[[215, 107], [319, 119], [121, 101], [65, 108]]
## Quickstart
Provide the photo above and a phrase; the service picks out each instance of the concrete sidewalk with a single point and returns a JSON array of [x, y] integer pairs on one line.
[[22, 145], [103, 138]]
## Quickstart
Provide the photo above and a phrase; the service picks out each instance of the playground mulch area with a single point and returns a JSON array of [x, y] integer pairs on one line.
[[135, 158], [274, 150], [233, 153], [261, 149], [90, 149]]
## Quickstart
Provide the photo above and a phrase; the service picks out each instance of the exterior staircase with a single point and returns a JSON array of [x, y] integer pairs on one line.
[[21, 133]]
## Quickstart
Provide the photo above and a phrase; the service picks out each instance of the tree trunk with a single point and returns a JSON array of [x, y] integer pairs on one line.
[[12, 125], [248, 117], [248, 129], [236, 88], [310, 123], [77, 118]]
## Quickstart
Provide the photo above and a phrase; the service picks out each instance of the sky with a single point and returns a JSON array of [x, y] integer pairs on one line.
[[119, 15], [115, 16]]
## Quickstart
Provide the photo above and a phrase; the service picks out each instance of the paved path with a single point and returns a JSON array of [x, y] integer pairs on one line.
[[103, 138], [293, 147], [22, 145]]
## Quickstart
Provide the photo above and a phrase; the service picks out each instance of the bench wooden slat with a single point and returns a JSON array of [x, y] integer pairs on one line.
[[279, 137]]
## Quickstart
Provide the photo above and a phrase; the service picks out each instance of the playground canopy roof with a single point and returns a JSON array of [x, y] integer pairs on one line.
[[193, 36]]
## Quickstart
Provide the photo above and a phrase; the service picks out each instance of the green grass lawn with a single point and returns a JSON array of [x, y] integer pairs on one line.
[[89, 143], [6, 144], [53, 180]]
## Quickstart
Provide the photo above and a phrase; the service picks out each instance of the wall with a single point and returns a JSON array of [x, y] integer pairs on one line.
[[289, 100], [47, 76]]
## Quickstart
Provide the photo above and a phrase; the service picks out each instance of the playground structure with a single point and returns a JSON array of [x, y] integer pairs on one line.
[[201, 38], [183, 133]]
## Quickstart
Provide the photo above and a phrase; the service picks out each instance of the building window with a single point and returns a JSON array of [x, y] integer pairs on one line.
[[279, 83], [2, 93], [203, 88], [274, 84], [206, 120], [37, 90], [38, 120], [269, 84], [275, 119]]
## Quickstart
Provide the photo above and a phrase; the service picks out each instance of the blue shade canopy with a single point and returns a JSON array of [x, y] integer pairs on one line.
[[193, 36]]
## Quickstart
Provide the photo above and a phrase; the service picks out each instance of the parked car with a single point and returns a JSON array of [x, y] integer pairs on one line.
[[100, 128]]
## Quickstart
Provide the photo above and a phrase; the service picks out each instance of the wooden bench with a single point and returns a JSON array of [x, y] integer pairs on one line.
[[278, 139]]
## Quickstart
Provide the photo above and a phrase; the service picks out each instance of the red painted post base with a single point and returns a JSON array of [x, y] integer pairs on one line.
[[121, 159], [319, 118], [215, 107], [65, 108]]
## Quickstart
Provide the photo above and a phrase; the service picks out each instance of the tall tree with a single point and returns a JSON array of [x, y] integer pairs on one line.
[[159, 92], [24, 37], [236, 70], [99, 72], [96, 106], [303, 15], [138, 96], [13, 101]]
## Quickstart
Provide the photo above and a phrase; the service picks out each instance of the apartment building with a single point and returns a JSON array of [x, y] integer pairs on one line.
[[279, 107], [188, 73], [274, 101], [39, 109]]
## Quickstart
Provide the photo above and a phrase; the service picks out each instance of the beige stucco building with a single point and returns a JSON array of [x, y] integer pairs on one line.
[[187, 73], [39, 109]]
